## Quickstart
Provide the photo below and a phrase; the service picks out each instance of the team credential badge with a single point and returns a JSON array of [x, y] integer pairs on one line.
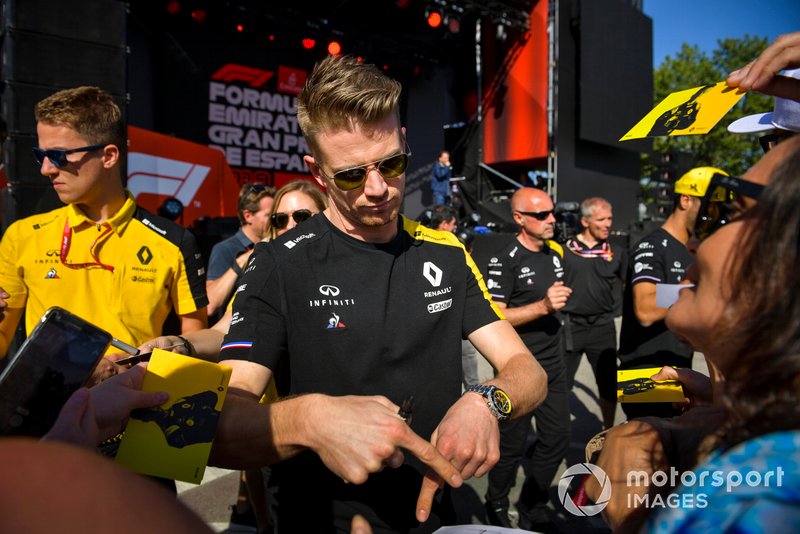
[[51, 274]]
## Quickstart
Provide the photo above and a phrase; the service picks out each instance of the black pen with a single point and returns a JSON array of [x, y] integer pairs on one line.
[[406, 409], [136, 358], [142, 357]]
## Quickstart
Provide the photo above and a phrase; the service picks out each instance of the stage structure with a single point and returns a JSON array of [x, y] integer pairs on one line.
[[532, 91], [554, 108]]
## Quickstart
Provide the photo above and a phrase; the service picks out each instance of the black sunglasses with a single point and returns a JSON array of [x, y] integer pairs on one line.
[[280, 220], [59, 157], [353, 178], [719, 205], [538, 215]]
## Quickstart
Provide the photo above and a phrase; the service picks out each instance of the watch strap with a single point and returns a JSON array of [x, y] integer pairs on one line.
[[488, 393]]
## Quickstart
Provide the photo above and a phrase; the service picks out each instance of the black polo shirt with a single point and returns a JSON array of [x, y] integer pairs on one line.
[[517, 276]]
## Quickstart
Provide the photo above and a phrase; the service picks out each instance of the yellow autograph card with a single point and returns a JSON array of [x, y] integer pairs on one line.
[[635, 385], [174, 440], [688, 112]]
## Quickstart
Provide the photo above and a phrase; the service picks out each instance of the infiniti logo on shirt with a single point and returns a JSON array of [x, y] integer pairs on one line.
[[329, 291]]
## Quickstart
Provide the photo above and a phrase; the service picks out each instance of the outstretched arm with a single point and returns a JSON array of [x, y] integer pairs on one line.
[[353, 435]]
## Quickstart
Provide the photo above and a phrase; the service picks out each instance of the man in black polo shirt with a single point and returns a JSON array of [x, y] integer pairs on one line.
[[526, 282], [353, 312], [595, 274], [659, 258]]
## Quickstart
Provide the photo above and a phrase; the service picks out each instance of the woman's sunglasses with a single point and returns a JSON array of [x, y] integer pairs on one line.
[[353, 178], [281, 220], [720, 204], [59, 157]]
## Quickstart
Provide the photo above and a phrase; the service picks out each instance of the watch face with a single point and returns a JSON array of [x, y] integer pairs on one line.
[[502, 402]]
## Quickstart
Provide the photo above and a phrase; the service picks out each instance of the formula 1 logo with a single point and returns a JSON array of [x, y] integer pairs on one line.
[[165, 176], [241, 73]]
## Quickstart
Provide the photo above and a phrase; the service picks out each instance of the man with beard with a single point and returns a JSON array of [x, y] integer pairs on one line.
[[354, 312]]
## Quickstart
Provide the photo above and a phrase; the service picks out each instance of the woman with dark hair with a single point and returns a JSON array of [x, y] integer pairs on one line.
[[744, 314]]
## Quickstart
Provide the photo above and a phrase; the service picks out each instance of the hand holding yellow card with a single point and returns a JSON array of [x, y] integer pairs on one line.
[[174, 440], [688, 112], [635, 385]]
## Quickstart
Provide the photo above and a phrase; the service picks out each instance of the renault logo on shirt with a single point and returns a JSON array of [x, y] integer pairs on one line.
[[432, 273], [144, 255]]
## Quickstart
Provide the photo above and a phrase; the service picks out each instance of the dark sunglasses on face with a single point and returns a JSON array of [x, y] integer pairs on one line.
[[59, 157], [719, 205], [353, 178], [281, 220], [538, 215]]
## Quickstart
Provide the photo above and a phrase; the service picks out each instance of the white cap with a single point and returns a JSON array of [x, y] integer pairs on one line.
[[785, 116]]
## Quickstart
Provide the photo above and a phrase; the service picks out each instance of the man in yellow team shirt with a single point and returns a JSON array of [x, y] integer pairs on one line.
[[101, 256]]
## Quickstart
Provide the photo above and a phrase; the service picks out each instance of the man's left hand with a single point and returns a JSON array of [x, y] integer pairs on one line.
[[468, 436]]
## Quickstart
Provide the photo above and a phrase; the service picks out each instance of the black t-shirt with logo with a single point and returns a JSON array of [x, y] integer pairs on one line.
[[331, 314], [517, 276], [658, 258], [595, 275]]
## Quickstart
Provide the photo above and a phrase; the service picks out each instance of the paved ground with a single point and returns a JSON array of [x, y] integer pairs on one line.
[[211, 500]]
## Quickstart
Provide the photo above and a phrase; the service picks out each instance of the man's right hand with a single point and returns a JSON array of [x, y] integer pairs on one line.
[[355, 436], [557, 296]]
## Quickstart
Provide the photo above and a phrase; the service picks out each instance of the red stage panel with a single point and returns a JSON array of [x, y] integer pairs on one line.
[[519, 131]]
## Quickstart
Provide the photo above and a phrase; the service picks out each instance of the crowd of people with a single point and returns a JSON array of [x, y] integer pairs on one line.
[[344, 323]]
